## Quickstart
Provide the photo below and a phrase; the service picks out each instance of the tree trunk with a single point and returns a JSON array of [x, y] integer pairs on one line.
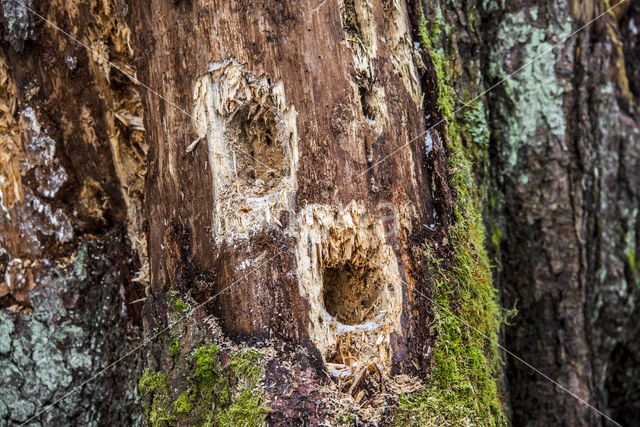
[[287, 212], [566, 172], [270, 194], [72, 152]]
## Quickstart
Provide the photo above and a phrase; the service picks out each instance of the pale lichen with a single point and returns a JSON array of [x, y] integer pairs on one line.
[[47, 352], [17, 21], [535, 91]]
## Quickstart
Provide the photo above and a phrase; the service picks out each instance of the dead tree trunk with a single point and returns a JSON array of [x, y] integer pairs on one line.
[[286, 190], [280, 207]]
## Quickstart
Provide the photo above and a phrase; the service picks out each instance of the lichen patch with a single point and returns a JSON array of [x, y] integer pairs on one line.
[[252, 143]]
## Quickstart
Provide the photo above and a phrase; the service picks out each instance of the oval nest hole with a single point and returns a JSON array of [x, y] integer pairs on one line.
[[351, 294]]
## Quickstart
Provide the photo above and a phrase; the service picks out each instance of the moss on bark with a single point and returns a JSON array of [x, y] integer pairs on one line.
[[214, 393], [465, 372]]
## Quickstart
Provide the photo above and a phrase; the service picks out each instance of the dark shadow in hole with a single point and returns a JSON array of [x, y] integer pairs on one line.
[[365, 96], [350, 293]]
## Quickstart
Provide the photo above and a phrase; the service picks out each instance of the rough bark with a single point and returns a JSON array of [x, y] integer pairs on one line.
[[270, 211], [68, 225], [565, 150], [313, 93]]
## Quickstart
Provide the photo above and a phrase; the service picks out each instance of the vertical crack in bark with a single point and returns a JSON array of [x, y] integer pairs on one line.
[[109, 38], [405, 56], [360, 28]]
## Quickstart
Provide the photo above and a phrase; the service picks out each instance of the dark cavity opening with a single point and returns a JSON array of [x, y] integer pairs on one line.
[[365, 102], [350, 293]]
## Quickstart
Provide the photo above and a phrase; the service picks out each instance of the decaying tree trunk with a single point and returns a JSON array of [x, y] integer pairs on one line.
[[281, 207], [276, 210]]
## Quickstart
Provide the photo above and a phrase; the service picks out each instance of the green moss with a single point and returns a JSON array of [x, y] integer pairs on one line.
[[184, 404], [496, 238], [247, 409], [178, 306], [430, 30], [630, 256], [464, 385], [247, 365], [213, 395], [207, 375], [429, 33], [152, 382], [174, 347], [153, 387]]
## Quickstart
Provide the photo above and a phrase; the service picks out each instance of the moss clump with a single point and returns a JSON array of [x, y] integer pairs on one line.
[[464, 388], [247, 408], [209, 385], [213, 395], [177, 305], [152, 382], [153, 387], [247, 365], [174, 348], [429, 32], [184, 404]]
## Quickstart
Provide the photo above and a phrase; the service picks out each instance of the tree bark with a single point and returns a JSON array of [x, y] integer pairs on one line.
[[72, 166], [566, 150], [286, 212], [283, 209]]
